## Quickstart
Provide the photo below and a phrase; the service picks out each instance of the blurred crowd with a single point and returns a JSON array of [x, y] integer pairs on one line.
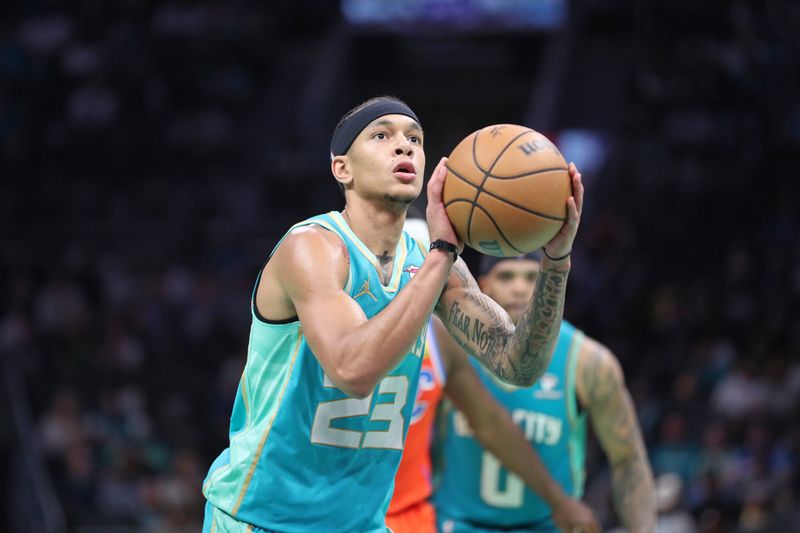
[[141, 152], [689, 267]]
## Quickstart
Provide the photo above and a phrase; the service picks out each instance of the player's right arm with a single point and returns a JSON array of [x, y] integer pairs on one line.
[[601, 389], [494, 429], [305, 277]]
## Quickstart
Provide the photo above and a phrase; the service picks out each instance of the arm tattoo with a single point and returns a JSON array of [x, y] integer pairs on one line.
[[477, 323], [487, 339], [463, 276], [598, 379], [633, 496], [537, 329], [516, 355], [614, 419]]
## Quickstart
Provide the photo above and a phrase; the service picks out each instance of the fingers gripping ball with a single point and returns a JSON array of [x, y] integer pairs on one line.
[[506, 190]]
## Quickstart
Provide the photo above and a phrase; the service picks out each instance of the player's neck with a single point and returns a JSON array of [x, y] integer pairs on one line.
[[378, 228]]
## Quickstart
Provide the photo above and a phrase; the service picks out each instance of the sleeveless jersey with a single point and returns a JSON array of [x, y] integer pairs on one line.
[[476, 490], [303, 456], [413, 479]]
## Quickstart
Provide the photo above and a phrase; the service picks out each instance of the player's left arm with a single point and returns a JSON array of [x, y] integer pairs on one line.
[[601, 389], [516, 355]]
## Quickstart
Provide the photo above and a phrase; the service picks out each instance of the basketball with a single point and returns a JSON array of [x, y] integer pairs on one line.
[[506, 190]]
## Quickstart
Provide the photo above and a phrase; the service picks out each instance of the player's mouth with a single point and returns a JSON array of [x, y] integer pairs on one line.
[[405, 171]]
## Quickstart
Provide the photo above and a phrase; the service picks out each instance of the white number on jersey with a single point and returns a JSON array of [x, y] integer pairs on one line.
[[392, 412], [492, 493]]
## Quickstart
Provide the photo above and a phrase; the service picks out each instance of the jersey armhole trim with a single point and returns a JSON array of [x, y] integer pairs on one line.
[[574, 410], [347, 286]]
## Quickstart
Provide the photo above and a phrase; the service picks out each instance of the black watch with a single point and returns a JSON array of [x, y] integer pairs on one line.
[[439, 244]]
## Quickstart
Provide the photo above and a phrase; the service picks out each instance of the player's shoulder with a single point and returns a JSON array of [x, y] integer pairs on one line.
[[594, 357], [310, 239], [599, 374], [590, 345], [307, 248]]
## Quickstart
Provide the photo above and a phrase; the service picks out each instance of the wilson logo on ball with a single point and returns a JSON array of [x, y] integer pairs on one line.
[[530, 147]]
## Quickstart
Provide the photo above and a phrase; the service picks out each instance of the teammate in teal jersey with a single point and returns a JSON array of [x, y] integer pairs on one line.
[[476, 494], [339, 312]]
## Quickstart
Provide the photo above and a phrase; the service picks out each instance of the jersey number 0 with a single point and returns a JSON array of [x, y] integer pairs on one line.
[[492, 490]]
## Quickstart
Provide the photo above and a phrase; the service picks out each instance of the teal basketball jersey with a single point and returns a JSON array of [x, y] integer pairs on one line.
[[303, 456], [475, 492]]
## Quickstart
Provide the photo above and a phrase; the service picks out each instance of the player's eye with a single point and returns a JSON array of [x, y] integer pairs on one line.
[[414, 139], [380, 136], [505, 276]]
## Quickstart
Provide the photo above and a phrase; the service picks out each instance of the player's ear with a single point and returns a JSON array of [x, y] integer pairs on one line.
[[340, 169], [481, 283]]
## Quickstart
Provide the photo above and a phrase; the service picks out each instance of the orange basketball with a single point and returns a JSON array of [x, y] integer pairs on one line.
[[506, 190]]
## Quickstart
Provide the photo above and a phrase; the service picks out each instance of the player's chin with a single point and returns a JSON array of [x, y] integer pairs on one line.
[[402, 200], [404, 194]]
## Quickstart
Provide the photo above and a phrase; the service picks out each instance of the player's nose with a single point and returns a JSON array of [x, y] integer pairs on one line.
[[521, 287], [403, 147]]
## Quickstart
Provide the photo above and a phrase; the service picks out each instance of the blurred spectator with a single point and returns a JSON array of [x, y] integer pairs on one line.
[[675, 451], [740, 393], [671, 516]]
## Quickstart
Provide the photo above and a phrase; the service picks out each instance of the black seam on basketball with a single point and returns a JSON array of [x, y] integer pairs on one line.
[[496, 225], [486, 173], [463, 200], [521, 208], [455, 201], [472, 210], [459, 176], [474, 154], [516, 176]]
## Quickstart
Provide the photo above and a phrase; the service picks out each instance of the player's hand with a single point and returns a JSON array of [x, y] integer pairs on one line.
[[439, 225], [573, 516], [561, 244]]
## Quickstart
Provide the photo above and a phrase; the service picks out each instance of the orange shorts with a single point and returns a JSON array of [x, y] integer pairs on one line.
[[419, 518]]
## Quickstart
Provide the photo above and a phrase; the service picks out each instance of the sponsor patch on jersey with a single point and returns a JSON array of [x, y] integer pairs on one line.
[[411, 269], [548, 388]]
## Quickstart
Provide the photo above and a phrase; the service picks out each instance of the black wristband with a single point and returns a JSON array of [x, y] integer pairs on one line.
[[440, 244], [556, 258]]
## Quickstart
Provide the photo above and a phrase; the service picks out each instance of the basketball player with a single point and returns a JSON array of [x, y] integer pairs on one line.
[[583, 380], [447, 373], [339, 314]]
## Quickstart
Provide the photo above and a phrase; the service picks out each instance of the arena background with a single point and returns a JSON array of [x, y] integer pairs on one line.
[[152, 153]]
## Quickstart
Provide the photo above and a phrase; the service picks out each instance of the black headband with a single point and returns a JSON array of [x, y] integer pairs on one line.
[[488, 262], [349, 130]]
